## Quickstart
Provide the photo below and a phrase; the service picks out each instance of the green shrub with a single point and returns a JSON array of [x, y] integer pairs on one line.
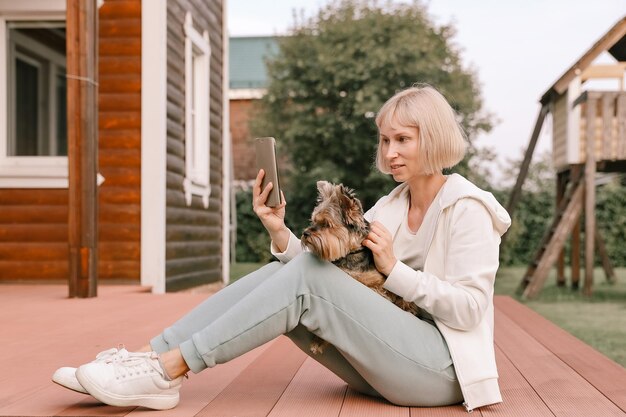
[[252, 240], [611, 220]]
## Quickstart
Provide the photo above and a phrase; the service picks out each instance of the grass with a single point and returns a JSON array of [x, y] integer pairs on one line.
[[599, 321], [239, 269]]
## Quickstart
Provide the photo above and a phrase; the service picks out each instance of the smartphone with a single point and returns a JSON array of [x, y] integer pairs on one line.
[[266, 160]]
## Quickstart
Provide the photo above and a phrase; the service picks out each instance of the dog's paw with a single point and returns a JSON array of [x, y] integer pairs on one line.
[[317, 349], [317, 346]]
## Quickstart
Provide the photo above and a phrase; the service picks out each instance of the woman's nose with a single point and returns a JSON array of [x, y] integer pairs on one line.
[[391, 153]]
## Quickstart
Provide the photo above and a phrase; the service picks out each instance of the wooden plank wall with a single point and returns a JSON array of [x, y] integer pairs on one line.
[[193, 249], [33, 234], [120, 139], [33, 222], [559, 132], [609, 126]]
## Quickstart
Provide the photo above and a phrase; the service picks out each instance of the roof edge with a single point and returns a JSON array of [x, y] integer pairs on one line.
[[246, 93], [610, 38]]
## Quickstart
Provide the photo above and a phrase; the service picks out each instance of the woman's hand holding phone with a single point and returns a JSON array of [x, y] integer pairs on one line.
[[265, 150], [273, 218]]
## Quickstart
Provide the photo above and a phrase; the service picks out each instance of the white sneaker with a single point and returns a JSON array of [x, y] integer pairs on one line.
[[66, 376], [137, 380]]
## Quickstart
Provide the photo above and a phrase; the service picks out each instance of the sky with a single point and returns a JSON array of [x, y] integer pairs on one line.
[[518, 48]]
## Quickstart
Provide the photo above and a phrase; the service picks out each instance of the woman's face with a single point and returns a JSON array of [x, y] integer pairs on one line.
[[400, 148]]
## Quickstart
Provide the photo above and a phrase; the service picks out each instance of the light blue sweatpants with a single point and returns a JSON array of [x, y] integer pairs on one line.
[[377, 348]]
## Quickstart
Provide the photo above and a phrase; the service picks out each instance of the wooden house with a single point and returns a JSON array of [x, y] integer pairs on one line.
[[588, 108], [163, 144]]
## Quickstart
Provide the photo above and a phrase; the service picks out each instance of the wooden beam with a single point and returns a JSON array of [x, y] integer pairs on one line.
[[575, 255], [575, 240], [555, 243], [546, 241], [607, 41], [581, 98], [517, 189], [621, 126], [604, 71], [561, 185], [604, 256], [82, 132], [590, 195]]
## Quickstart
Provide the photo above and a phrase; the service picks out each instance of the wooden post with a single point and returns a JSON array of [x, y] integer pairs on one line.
[[521, 177], [575, 242], [590, 195], [555, 243], [621, 126], [575, 254], [561, 184], [82, 132], [604, 257]]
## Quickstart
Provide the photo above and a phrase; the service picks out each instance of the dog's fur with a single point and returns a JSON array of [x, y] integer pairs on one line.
[[335, 234]]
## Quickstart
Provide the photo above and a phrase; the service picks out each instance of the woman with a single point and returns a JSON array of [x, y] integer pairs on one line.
[[435, 237]]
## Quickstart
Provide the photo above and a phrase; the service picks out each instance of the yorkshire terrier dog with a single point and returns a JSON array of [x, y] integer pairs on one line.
[[335, 234]]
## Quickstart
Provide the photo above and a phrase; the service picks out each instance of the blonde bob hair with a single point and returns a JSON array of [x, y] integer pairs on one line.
[[442, 141]]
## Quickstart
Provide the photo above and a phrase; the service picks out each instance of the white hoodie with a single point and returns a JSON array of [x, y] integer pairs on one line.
[[456, 286]]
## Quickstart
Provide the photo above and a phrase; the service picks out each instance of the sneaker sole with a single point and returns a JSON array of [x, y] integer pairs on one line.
[[155, 402]]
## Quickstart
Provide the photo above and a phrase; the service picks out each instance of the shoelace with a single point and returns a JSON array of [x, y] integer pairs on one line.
[[104, 355], [116, 354], [137, 363], [113, 354]]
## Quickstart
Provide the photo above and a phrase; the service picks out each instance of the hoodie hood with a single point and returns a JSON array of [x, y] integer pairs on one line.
[[455, 188]]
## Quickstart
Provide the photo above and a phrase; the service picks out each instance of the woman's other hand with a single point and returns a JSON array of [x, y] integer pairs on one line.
[[273, 218], [380, 242]]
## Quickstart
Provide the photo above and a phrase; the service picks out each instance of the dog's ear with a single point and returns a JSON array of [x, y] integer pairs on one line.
[[348, 200], [351, 208], [347, 191], [325, 189]]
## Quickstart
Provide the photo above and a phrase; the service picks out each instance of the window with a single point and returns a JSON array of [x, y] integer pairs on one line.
[[33, 119], [197, 112], [37, 90]]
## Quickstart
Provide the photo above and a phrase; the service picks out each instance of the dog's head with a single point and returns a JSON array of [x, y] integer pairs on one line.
[[337, 223]]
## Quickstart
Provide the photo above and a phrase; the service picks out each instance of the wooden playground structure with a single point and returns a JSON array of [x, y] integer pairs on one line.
[[589, 137]]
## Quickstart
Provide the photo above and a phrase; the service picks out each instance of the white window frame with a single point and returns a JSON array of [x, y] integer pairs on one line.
[[197, 111], [26, 171]]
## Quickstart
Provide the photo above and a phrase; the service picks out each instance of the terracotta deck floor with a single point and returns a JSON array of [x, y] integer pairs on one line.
[[544, 371]]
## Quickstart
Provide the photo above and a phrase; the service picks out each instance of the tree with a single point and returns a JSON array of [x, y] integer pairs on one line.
[[331, 76], [534, 212]]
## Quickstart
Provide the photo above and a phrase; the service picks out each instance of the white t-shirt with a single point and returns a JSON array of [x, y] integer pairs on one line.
[[411, 247]]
